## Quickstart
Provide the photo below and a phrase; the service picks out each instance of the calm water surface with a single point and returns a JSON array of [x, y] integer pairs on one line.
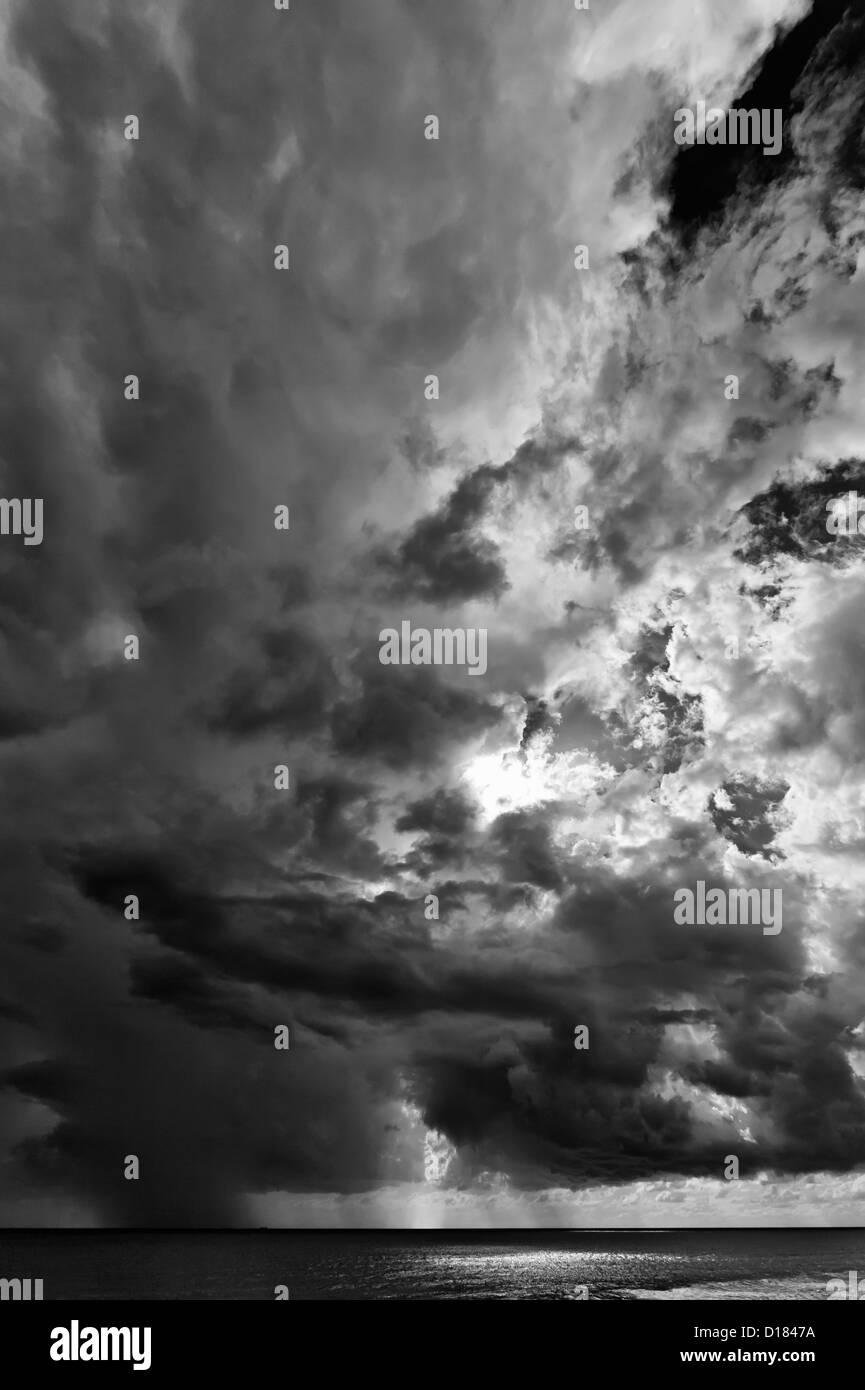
[[793, 1264]]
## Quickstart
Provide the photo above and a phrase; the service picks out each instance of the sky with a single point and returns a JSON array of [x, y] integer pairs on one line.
[[674, 688]]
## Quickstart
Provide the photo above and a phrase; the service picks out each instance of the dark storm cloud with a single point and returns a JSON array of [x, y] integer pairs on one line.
[[407, 717], [705, 178], [537, 720], [553, 811], [342, 818], [445, 813], [445, 832], [43, 1080], [157, 525], [13, 1012], [178, 983], [287, 684], [211, 1005], [442, 559], [157, 257], [383, 944], [613, 545], [680, 713], [445, 558], [790, 519], [528, 853], [538, 1106], [743, 811]]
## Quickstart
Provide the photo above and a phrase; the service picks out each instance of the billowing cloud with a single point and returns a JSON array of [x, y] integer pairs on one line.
[[462, 870]]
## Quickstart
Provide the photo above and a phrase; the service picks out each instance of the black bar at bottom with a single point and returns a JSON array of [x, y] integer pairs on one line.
[[224, 1340]]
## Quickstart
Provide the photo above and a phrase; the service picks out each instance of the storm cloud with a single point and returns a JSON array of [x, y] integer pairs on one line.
[[460, 872]]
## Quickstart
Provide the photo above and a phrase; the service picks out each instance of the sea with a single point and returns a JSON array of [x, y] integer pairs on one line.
[[538, 1264]]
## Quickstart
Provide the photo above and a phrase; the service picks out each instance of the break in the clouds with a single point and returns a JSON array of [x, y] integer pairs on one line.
[[452, 875]]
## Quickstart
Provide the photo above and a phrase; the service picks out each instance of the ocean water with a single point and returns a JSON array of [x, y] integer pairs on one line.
[[550, 1265]]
